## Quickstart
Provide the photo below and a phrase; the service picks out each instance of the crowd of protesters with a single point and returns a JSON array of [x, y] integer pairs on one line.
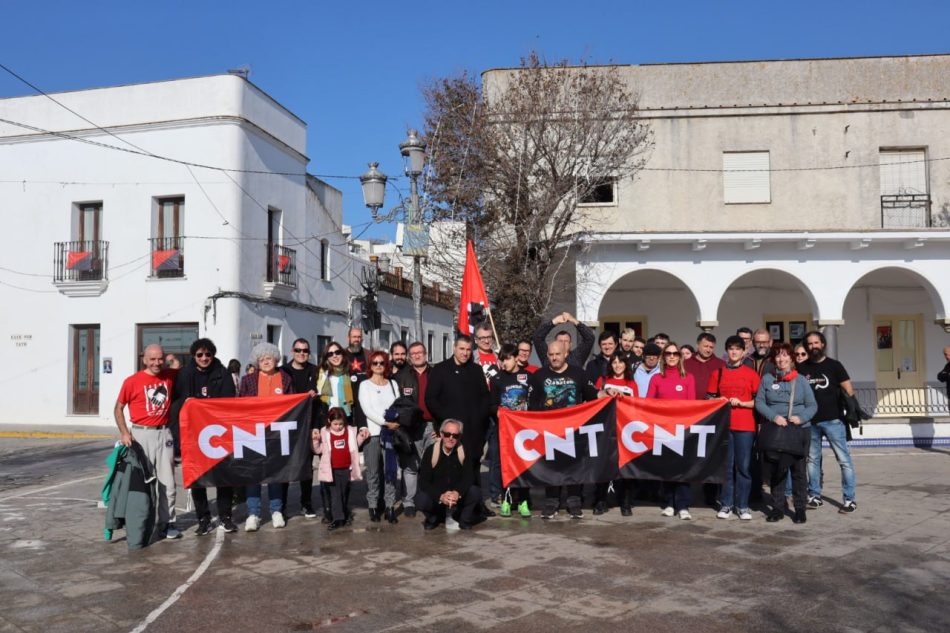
[[418, 434]]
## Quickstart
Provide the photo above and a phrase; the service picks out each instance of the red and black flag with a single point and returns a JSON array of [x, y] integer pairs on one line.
[[79, 260], [244, 441], [574, 445], [473, 306], [672, 440], [166, 260]]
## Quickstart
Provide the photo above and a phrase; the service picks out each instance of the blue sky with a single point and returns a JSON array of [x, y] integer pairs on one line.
[[353, 70]]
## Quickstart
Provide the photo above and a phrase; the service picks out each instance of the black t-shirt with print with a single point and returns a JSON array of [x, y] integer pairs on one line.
[[825, 379], [549, 390]]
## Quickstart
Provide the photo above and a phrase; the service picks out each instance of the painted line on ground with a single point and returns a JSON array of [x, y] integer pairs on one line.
[[172, 599], [56, 435], [33, 491], [921, 453]]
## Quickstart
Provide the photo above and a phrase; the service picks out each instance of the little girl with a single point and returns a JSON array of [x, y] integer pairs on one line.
[[336, 444]]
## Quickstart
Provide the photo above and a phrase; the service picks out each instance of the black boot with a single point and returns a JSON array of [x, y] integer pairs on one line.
[[626, 511], [799, 516], [391, 515], [327, 516], [775, 516], [374, 515]]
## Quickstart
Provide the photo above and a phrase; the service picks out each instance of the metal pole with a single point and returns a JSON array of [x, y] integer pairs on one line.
[[413, 220]]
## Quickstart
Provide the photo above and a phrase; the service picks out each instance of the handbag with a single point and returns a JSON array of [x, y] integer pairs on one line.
[[790, 439]]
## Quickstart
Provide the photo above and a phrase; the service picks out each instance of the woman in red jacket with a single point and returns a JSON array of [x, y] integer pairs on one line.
[[673, 383]]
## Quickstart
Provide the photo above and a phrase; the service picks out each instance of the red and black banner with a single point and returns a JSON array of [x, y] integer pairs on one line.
[[473, 300], [610, 438], [244, 441]]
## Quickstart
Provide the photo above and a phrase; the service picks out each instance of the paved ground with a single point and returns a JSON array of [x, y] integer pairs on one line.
[[885, 568]]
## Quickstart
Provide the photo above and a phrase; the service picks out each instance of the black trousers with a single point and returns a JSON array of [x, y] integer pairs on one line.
[[463, 512], [775, 471], [223, 502], [622, 488], [306, 494], [552, 497], [339, 491]]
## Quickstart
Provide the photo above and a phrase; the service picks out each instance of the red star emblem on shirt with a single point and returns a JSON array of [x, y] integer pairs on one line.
[[356, 366]]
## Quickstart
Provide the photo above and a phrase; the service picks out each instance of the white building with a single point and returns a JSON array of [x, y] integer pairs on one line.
[[197, 220], [789, 195]]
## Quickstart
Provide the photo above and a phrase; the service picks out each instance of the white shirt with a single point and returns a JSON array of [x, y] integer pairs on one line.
[[374, 400]]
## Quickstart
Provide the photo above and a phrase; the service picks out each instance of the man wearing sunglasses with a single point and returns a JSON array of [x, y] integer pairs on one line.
[[447, 483], [303, 375], [204, 376]]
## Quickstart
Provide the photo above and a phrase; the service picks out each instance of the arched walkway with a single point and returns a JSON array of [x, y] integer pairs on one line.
[[768, 297], [657, 300]]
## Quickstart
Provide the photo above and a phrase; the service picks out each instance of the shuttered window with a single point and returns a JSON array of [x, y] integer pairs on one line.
[[903, 172], [745, 177]]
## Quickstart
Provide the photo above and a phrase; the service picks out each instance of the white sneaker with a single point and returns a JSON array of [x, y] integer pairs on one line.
[[253, 524], [725, 513], [451, 524], [667, 511], [685, 515], [745, 515], [277, 519]]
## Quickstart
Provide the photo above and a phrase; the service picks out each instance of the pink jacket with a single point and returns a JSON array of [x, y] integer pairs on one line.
[[324, 470]]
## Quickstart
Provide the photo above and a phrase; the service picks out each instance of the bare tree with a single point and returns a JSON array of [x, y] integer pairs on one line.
[[515, 158]]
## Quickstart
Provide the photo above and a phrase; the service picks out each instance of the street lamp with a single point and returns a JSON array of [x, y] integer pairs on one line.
[[415, 242]]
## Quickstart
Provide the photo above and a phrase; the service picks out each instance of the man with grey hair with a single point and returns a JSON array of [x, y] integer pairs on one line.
[[148, 395], [446, 483]]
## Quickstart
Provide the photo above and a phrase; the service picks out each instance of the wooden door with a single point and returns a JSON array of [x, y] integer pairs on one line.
[[86, 369]]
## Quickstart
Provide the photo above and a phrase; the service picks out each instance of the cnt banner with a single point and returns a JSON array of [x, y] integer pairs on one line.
[[243, 441], [613, 438]]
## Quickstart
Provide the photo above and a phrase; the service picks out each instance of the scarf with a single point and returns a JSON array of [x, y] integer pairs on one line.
[[390, 461], [790, 376], [345, 387]]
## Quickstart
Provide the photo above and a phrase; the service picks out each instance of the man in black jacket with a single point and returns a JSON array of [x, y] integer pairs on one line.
[[413, 381], [599, 366], [205, 377], [446, 483], [576, 357], [303, 375]]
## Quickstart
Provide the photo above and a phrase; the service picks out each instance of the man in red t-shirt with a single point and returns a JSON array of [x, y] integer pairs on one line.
[[148, 395], [737, 383]]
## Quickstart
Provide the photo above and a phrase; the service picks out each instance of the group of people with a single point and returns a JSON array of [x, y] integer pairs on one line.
[[417, 433]]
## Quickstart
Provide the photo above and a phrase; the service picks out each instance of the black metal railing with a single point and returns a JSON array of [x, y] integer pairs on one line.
[[281, 265], [920, 401], [80, 261], [906, 211], [168, 257]]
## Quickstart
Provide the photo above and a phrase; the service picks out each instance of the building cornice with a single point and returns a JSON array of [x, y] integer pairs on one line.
[[751, 240]]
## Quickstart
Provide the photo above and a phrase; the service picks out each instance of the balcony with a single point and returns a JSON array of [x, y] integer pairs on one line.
[[80, 268], [906, 211], [395, 283], [168, 257], [281, 271]]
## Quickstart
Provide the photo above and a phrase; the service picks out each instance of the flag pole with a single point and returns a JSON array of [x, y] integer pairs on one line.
[[494, 331]]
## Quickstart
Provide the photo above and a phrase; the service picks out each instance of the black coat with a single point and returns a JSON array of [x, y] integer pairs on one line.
[[944, 377], [220, 385], [411, 416], [459, 392]]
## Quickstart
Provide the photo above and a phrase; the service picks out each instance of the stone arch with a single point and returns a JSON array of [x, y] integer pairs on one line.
[[667, 301], [936, 299], [789, 278]]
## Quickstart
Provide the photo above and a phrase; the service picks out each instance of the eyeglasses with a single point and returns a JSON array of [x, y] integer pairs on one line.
[[483, 338], [300, 350], [671, 354], [800, 354], [378, 363], [453, 436], [204, 355], [524, 351]]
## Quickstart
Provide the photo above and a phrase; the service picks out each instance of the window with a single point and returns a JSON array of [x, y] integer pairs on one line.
[[168, 258], [745, 177], [430, 339], [404, 335], [175, 338], [83, 258], [597, 190], [322, 343], [445, 346], [905, 195], [324, 260], [385, 337]]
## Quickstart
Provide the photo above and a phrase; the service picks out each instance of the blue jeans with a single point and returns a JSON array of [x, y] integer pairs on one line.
[[738, 461], [835, 432], [274, 493]]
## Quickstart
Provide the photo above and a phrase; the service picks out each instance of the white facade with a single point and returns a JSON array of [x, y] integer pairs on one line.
[[253, 256]]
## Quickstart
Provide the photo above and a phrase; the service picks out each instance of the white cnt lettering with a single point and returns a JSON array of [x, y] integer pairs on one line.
[[626, 436], [591, 431], [521, 437], [204, 441], [284, 428], [704, 431], [662, 437], [255, 442], [564, 444]]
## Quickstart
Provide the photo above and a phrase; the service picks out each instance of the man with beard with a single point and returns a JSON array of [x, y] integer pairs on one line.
[[397, 355], [359, 361], [413, 381], [556, 386], [761, 351], [205, 377], [701, 366], [828, 378]]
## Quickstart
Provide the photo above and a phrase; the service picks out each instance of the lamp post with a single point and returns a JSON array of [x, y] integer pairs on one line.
[[373, 183]]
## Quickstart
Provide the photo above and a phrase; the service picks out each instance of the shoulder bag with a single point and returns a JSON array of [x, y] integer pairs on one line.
[[790, 439]]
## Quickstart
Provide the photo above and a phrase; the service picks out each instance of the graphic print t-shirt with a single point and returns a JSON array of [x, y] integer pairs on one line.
[[825, 379], [549, 390], [511, 390], [148, 397]]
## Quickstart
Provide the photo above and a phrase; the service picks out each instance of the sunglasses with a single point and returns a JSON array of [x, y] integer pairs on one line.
[[204, 355], [378, 363], [671, 353], [336, 352], [453, 436], [801, 354], [300, 350]]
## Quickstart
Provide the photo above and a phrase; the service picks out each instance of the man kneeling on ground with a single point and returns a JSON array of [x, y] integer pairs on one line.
[[446, 486]]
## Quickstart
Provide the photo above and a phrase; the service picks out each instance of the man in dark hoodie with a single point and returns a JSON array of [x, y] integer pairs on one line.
[[204, 376]]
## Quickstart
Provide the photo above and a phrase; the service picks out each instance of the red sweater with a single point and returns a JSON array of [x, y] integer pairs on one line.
[[740, 382], [672, 386]]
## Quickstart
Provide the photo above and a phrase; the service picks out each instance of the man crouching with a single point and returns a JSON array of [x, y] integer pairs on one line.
[[446, 486]]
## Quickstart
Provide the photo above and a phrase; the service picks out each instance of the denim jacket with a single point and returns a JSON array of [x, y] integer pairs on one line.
[[771, 400]]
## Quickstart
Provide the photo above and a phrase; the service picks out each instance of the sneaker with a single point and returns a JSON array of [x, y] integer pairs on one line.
[[685, 515], [815, 502], [277, 519], [667, 511], [227, 525], [548, 513], [172, 532], [309, 513], [848, 507], [204, 527], [745, 515], [505, 509], [576, 513], [253, 523], [451, 523], [600, 507], [725, 513], [524, 510]]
